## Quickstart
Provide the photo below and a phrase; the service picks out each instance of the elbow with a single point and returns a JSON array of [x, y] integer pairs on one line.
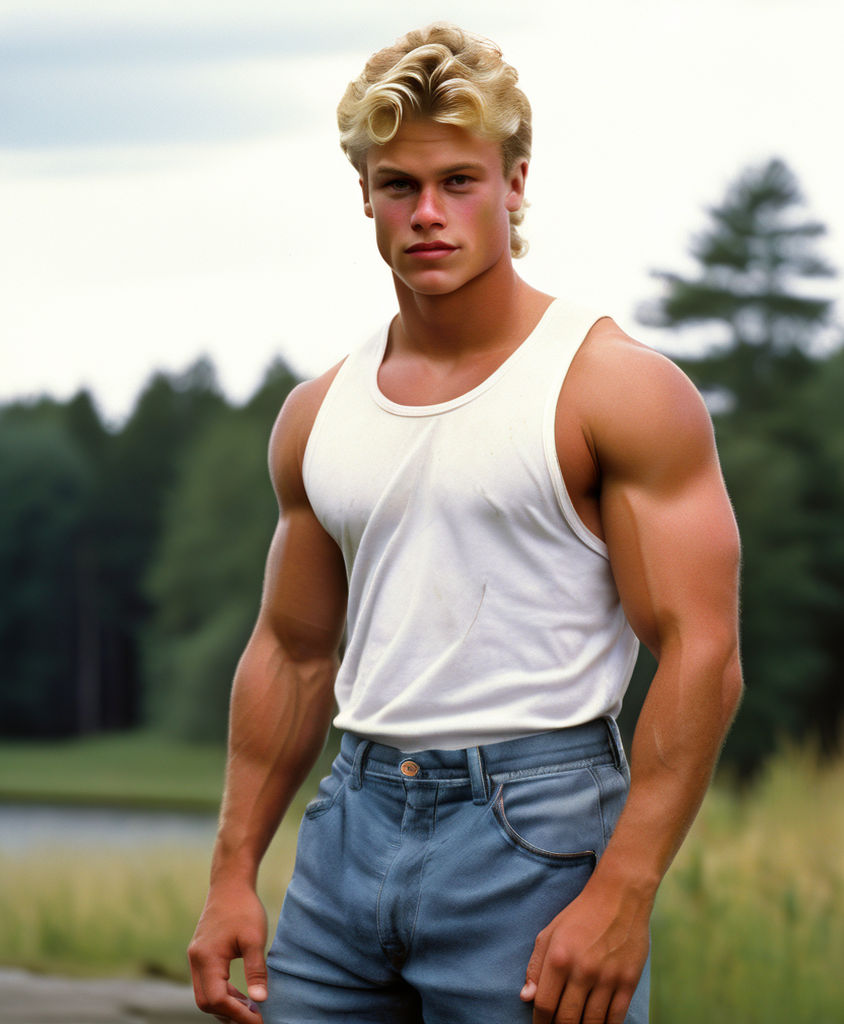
[[706, 668], [717, 669], [732, 688]]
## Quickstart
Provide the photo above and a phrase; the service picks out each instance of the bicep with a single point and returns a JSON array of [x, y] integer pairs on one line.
[[669, 525], [304, 596], [305, 590], [674, 557]]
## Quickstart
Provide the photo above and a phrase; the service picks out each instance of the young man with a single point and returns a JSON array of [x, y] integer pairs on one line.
[[501, 492]]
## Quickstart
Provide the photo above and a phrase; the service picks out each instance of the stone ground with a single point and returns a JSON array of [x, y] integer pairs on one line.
[[34, 999]]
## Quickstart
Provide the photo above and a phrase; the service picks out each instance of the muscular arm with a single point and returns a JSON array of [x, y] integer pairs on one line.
[[673, 548], [282, 700]]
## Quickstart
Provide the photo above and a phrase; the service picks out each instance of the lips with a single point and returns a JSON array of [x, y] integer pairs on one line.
[[441, 247]]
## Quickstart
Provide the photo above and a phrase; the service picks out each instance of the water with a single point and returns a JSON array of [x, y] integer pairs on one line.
[[28, 828]]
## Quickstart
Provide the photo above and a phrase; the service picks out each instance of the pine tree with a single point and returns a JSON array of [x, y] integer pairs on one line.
[[756, 288]]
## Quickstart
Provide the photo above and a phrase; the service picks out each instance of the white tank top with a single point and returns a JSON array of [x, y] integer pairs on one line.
[[481, 608]]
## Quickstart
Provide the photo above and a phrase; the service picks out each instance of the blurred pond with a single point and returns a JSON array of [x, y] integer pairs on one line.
[[26, 828]]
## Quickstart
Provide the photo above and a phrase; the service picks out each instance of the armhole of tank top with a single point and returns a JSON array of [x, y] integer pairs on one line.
[[359, 360], [549, 440], [316, 426]]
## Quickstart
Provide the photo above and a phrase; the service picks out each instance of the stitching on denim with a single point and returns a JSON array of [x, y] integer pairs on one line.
[[316, 808], [520, 843], [596, 781], [390, 952], [429, 851], [552, 769]]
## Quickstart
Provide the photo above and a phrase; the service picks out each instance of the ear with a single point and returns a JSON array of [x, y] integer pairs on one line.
[[516, 180], [364, 187]]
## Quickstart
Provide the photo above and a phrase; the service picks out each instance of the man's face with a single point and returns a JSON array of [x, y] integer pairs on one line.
[[441, 204]]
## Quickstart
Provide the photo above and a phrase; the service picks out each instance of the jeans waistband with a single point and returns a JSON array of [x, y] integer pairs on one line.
[[578, 744]]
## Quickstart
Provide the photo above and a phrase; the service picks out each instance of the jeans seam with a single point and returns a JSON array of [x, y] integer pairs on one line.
[[599, 789]]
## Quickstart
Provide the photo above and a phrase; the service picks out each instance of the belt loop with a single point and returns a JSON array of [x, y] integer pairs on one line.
[[616, 745], [477, 773], [359, 763]]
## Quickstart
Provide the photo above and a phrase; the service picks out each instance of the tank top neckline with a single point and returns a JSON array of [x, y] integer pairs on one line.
[[397, 409]]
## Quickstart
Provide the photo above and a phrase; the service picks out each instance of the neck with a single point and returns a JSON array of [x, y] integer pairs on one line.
[[481, 316]]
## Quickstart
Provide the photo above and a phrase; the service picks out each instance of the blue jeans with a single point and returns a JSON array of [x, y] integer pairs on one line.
[[422, 880]]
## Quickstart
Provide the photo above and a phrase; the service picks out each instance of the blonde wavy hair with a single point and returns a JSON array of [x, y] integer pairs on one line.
[[450, 76]]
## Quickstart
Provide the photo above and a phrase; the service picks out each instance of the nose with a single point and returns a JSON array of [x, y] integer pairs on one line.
[[428, 212]]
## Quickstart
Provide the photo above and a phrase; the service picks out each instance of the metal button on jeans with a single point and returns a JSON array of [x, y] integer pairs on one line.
[[410, 769]]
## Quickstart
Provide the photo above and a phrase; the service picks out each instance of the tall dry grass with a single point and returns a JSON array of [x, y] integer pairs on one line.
[[113, 913], [749, 925]]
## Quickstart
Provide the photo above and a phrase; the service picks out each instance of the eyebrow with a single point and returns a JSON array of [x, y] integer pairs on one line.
[[396, 172]]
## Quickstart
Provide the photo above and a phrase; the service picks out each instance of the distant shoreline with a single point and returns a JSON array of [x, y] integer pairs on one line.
[[34, 827]]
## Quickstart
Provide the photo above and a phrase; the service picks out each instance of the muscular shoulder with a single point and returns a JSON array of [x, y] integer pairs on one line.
[[639, 412], [290, 436]]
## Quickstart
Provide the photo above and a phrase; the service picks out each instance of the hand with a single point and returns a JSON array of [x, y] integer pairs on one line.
[[586, 964], [233, 925]]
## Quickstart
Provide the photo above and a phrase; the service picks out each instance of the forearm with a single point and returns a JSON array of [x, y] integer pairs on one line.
[[280, 713], [598, 944], [681, 728]]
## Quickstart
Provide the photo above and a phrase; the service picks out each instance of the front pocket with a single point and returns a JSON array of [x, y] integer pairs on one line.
[[555, 817], [329, 789]]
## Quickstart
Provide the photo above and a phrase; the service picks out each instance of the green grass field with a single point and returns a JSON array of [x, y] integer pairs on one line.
[[749, 925], [131, 769]]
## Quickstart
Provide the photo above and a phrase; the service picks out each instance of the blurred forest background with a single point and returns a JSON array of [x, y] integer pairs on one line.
[[131, 558]]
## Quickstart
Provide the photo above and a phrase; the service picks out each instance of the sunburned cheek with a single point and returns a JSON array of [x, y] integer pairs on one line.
[[490, 219], [383, 236], [478, 211]]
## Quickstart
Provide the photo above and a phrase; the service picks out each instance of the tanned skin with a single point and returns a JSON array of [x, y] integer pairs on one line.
[[637, 452]]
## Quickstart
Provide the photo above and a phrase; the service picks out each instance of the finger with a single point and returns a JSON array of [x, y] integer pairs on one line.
[[255, 969], [238, 1010], [222, 1000], [571, 1004], [210, 977], [255, 1010], [620, 1005], [549, 988], [534, 968], [597, 1006], [547, 998], [528, 992]]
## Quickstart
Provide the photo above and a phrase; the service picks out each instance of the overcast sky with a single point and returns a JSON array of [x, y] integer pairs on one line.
[[171, 183]]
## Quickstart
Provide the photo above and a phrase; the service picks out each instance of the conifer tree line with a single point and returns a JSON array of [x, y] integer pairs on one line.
[[131, 560]]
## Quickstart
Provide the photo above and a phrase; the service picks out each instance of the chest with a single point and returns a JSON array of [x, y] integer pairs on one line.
[[402, 476]]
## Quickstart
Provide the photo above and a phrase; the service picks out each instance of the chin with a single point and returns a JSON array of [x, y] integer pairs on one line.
[[428, 284], [445, 288]]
